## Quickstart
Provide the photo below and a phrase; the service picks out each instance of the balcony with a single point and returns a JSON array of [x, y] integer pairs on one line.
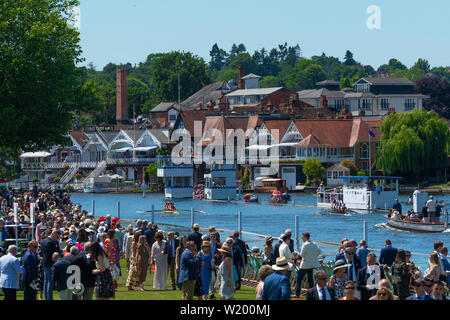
[[176, 171], [130, 161]]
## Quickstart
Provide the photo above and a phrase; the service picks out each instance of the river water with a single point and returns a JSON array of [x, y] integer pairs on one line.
[[271, 220]]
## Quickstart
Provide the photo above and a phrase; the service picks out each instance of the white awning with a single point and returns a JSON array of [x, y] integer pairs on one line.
[[144, 148], [257, 147], [121, 149], [39, 154], [286, 144]]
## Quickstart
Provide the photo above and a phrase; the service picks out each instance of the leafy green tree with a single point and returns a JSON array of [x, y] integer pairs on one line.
[[413, 145], [346, 83], [270, 82], [423, 65], [218, 57], [304, 75], [245, 60], [414, 74], [348, 59], [438, 91], [38, 74], [313, 169], [190, 68], [350, 165], [235, 50]]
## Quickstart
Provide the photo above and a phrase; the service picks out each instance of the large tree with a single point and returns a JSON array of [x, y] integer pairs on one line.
[[413, 145], [190, 68], [38, 74], [438, 91]]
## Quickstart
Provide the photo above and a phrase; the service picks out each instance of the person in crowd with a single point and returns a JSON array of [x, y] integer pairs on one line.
[[288, 232], [310, 260], [189, 268], [268, 251], [172, 245], [320, 291], [383, 293], [431, 205], [217, 259], [384, 283], [285, 251], [350, 258], [30, 263], [196, 236], [339, 278], [369, 277], [277, 285], [159, 258], [446, 265], [438, 246], [236, 259], [438, 291], [225, 272], [276, 248], [142, 258], [206, 259], [104, 286], [263, 272], [412, 267], [68, 245], [241, 246], [60, 276], [428, 285], [362, 252], [419, 289], [388, 254], [180, 249], [110, 251], [49, 246], [150, 234], [87, 277], [126, 248], [349, 291], [133, 272], [10, 270], [401, 277], [434, 269]]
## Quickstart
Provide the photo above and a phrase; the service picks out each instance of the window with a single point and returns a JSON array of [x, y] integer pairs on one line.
[[364, 151], [246, 100], [363, 87], [331, 152], [335, 174], [410, 104], [338, 103], [309, 152], [366, 104], [364, 166], [329, 174], [384, 103], [322, 151], [172, 117], [231, 101]]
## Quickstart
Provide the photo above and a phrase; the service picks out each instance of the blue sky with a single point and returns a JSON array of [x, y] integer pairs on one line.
[[122, 31]]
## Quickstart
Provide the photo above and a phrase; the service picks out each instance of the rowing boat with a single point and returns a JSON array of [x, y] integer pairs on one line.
[[416, 225]]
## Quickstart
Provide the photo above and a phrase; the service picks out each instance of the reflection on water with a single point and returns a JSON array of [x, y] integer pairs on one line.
[[268, 219]]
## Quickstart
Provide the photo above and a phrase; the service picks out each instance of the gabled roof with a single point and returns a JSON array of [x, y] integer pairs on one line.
[[280, 125], [386, 81], [134, 135], [189, 116], [317, 93], [164, 106], [251, 76], [222, 124], [161, 135], [328, 82], [213, 91], [310, 141], [80, 137], [338, 167]]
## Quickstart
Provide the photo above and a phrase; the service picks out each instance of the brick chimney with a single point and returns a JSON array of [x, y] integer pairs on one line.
[[199, 106], [121, 97], [223, 105], [241, 74], [323, 101]]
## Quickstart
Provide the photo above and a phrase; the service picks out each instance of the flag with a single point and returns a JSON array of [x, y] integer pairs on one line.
[[228, 86], [372, 134]]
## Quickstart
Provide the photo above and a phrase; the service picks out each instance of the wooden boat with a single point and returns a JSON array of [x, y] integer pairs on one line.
[[416, 225]]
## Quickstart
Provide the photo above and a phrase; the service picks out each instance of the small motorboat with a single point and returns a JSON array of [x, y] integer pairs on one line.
[[250, 197], [416, 225]]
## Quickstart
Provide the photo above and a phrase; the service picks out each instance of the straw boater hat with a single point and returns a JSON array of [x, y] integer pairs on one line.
[[206, 244], [340, 264], [225, 249], [282, 264]]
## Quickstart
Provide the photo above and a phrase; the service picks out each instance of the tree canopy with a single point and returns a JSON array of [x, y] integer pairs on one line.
[[413, 144]]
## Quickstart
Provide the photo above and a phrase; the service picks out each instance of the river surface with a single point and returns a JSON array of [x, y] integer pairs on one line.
[[271, 220]]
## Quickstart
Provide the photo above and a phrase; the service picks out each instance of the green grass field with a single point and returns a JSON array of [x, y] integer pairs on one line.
[[122, 293]]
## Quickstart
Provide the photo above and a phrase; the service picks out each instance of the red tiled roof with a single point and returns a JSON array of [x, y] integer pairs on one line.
[[79, 136]]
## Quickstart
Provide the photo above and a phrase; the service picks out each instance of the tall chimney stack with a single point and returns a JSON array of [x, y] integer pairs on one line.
[[121, 97], [241, 74]]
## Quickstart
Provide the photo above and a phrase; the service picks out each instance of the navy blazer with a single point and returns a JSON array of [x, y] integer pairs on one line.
[[276, 287], [189, 266], [30, 267], [60, 274], [413, 297], [168, 248], [387, 255], [312, 293], [357, 266], [362, 283], [197, 238]]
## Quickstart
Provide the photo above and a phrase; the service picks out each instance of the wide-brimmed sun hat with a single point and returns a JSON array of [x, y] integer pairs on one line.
[[340, 264], [225, 249], [282, 264]]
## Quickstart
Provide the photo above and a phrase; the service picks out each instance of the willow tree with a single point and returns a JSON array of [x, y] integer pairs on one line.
[[413, 145]]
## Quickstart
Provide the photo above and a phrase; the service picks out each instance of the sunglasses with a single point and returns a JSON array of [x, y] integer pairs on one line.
[[350, 288], [350, 253]]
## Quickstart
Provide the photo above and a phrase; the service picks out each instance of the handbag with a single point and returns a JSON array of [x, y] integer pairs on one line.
[[115, 272]]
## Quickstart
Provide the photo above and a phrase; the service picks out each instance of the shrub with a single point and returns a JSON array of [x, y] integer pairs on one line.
[[35, 179], [57, 179]]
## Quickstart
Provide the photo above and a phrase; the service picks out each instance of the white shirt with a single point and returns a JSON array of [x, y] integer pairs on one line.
[[284, 251], [327, 294]]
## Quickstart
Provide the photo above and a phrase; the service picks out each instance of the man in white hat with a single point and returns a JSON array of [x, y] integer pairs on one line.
[[276, 285]]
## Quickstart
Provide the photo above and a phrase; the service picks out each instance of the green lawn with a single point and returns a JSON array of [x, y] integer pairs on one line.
[[122, 293]]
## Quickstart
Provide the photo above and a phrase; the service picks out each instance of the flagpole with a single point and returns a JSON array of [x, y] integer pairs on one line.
[[370, 162]]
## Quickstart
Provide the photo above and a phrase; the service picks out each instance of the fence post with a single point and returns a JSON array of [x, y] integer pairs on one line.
[[93, 207], [118, 209], [240, 223], [192, 217], [153, 213], [297, 226], [293, 203], [365, 230]]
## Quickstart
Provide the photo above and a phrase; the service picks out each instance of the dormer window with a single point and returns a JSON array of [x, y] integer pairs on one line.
[[364, 87]]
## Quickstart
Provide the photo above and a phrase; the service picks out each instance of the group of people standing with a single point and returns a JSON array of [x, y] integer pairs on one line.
[[356, 273]]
